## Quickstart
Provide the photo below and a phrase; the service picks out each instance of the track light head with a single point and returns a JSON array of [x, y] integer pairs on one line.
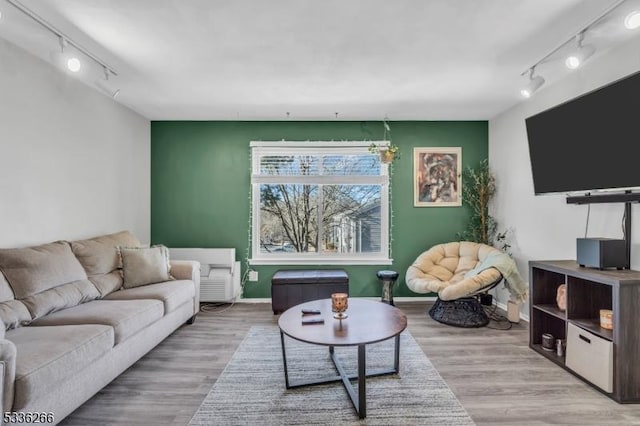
[[581, 53], [577, 58], [632, 20], [65, 59], [534, 84], [106, 86]]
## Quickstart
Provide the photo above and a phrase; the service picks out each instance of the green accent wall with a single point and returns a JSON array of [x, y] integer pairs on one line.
[[200, 178]]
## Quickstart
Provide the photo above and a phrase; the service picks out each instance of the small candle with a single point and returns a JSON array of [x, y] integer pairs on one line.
[[339, 304], [606, 319]]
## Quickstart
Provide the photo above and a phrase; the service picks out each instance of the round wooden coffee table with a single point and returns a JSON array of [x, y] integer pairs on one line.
[[368, 322]]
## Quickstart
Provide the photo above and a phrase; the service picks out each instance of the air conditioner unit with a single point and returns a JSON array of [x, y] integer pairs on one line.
[[219, 272]]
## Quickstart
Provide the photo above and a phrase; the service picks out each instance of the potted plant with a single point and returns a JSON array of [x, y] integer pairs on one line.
[[479, 188]]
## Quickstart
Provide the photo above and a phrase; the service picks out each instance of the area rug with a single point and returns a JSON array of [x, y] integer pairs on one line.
[[251, 389]]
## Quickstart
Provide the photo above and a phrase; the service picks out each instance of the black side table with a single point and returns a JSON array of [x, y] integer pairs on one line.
[[387, 279]]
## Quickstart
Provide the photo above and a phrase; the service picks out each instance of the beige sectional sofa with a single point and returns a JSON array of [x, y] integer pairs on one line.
[[72, 323]]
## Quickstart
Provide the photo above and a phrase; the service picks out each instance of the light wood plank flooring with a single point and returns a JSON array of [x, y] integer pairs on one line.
[[498, 379]]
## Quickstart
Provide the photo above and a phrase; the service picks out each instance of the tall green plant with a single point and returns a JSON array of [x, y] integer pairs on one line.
[[478, 188]]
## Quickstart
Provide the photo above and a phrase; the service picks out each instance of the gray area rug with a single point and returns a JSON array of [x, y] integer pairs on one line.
[[251, 389]]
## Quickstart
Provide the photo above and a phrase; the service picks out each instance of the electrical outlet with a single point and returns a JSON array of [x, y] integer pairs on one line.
[[253, 275]]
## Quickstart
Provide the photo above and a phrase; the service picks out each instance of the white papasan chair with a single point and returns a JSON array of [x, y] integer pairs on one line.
[[459, 272]]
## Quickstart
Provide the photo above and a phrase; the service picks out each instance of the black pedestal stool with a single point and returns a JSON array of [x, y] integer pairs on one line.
[[387, 279]]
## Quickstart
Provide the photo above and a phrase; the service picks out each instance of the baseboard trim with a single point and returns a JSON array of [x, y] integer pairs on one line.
[[254, 300], [403, 299], [395, 299]]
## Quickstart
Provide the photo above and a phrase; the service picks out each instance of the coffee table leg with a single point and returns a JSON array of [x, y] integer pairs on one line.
[[362, 381], [396, 361], [284, 360]]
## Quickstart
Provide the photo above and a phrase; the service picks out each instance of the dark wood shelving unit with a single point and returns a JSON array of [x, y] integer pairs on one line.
[[588, 291]]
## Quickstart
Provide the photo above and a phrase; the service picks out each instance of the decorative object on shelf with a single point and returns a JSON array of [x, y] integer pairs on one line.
[[606, 319], [339, 304], [437, 177], [560, 347], [561, 297], [548, 342]]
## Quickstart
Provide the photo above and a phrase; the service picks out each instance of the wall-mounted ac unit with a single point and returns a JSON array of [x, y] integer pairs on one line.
[[219, 272]]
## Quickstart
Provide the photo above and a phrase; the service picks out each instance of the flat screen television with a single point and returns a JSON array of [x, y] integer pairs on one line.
[[588, 143]]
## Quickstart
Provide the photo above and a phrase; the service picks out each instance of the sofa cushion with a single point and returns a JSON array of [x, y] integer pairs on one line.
[[172, 293], [127, 317], [142, 266], [48, 356], [13, 313], [46, 278], [100, 259]]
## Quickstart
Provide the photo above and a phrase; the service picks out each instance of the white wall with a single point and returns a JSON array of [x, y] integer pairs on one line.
[[546, 227], [73, 163]]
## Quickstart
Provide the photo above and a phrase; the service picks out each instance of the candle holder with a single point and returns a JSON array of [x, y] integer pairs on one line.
[[339, 304]]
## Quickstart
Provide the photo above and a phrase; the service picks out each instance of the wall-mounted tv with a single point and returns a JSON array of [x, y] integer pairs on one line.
[[588, 143]]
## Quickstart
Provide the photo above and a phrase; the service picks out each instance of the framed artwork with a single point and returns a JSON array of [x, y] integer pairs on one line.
[[437, 177]]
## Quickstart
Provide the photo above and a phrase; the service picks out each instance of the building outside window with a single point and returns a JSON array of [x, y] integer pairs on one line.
[[319, 203]]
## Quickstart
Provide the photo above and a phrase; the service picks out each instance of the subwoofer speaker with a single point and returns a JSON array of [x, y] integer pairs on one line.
[[601, 253]]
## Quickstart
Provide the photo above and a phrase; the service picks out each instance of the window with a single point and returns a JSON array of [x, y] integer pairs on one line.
[[319, 203]]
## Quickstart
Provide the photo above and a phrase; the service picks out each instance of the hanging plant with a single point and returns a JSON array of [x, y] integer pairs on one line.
[[387, 153]]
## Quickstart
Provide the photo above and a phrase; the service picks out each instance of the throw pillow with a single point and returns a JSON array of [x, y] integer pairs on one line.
[[100, 259], [142, 266]]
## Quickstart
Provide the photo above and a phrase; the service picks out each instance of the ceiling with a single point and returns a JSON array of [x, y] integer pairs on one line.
[[361, 59]]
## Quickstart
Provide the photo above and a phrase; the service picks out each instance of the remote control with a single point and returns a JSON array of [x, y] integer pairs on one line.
[[313, 321], [310, 312]]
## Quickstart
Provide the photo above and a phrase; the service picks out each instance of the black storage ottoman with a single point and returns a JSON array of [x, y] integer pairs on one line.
[[295, 286]]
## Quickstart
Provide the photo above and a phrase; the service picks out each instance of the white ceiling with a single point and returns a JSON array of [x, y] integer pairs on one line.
[[364, 59]]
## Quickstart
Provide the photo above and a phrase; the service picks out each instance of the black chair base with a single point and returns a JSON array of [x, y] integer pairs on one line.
[[464, 312]]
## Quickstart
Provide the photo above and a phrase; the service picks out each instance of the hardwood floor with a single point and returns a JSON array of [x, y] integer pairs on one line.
[[494, 374]]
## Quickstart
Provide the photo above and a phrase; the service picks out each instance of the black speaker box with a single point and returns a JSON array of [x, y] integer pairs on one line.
[[601, 253]]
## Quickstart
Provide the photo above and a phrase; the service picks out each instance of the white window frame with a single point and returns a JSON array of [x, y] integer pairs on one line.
[[260, 148]]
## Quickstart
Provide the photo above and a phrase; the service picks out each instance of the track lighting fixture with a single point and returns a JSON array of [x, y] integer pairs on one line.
[[534, 84], [581, 54], [632, 20], [64, 57], [106, 86]]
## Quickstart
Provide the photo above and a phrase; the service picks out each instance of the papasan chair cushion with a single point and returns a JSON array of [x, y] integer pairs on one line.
[[443, 269]]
